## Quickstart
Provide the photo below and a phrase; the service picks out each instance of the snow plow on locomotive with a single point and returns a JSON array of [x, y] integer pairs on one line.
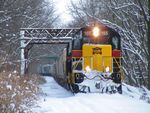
[[94, 62]]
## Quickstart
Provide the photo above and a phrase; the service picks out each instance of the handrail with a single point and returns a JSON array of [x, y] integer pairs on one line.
[[115, 58], [119, 66], [76, 64]]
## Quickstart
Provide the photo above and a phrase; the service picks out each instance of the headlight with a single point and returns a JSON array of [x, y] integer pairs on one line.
[[88, 69], [96, 31], [107, 69]]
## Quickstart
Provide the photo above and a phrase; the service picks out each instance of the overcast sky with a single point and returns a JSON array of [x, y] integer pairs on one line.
[[61, 6], [62, 10]]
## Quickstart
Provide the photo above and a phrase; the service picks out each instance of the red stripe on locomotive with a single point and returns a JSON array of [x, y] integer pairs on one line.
[[76, 53], [116, 53]]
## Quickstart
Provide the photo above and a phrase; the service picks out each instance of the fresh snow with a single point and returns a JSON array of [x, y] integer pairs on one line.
[[56, 99]]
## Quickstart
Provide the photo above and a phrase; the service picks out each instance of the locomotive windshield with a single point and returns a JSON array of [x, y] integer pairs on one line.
[[101, 35], [96, 35], [77, 41]]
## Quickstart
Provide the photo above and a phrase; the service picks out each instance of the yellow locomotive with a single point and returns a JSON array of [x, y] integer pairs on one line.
[[94, 61]]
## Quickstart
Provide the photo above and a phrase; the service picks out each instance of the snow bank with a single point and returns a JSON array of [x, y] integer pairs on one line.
[[57, 100], [137, 93]]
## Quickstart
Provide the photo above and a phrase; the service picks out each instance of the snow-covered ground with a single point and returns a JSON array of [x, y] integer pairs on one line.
[[58, 100]]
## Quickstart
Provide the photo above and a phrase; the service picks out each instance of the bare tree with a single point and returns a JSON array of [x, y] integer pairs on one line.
[[129, 18], [16, 14], [148, 35]]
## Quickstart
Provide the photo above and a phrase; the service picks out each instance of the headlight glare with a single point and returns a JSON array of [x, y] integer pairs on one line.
[[107, 69], [88, 69], [96, 31]]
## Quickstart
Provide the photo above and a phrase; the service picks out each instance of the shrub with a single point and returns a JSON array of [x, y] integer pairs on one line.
[[17, 93]]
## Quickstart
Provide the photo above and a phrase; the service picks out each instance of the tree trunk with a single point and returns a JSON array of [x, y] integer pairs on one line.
[[148, 36]]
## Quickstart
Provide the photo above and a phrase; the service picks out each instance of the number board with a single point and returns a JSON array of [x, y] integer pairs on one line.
[[97, 50]]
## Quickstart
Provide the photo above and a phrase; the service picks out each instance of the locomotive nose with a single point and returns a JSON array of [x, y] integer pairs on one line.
[[97, 57]]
